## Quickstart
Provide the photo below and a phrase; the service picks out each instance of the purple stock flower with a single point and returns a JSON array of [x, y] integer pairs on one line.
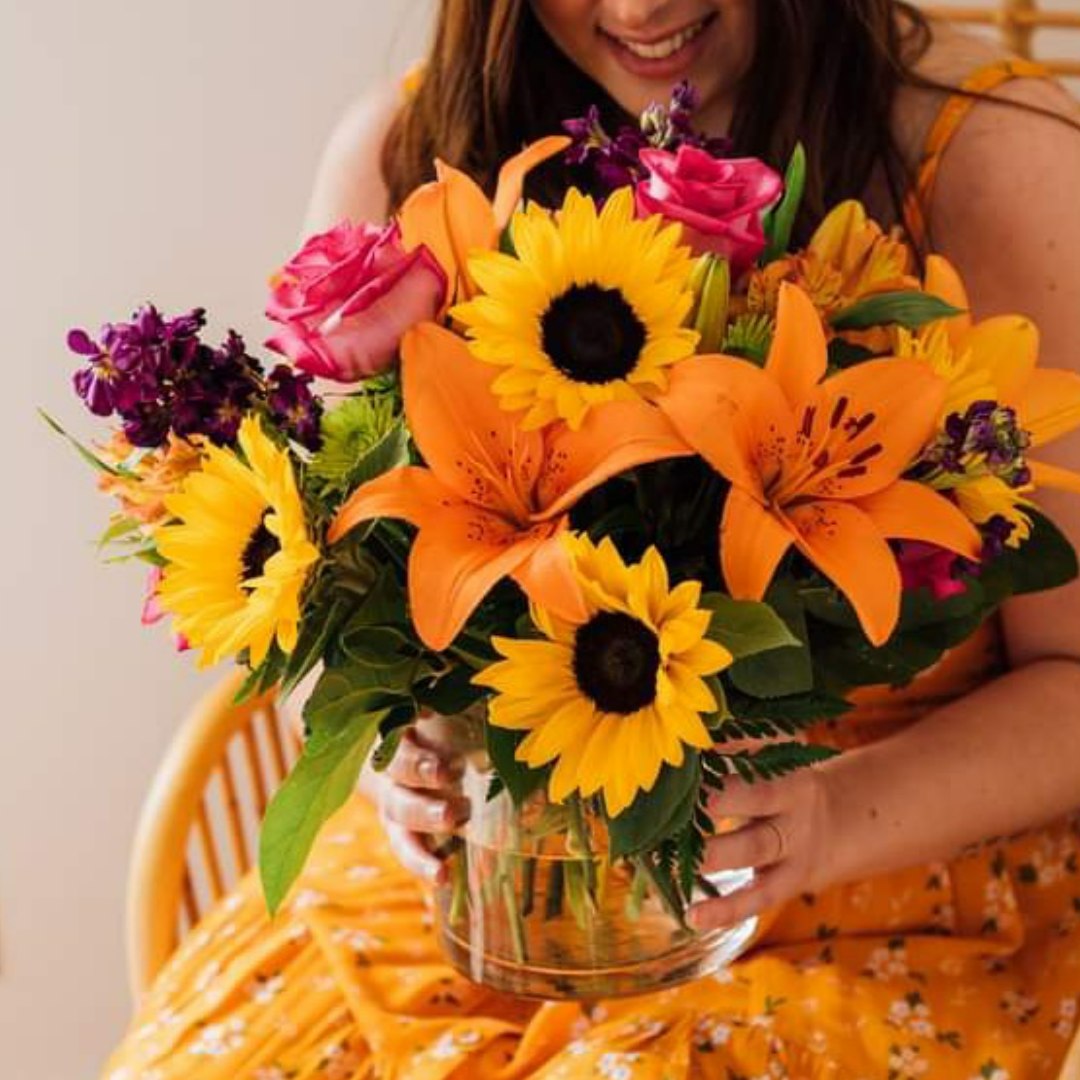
[[615, 160], [985, 440], [292, 405], [158, 376]]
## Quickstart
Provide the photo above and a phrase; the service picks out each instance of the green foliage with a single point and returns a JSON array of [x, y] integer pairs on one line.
[[318, 785], [909, 309], [843, 354], [362, 438], [745, 627], [262, 678], [770, 762], [660, 812], [750, 336], [347, 711], [87, 455], [779, 672], [780, 221], [1046, 560], [711, 283], [518, 779]]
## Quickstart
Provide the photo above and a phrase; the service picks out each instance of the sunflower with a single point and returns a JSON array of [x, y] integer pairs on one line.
[[238, 552], [612, 698], [589, 309]]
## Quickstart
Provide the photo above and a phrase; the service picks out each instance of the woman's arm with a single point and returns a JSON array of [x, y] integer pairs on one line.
[[1006, 757], [349, 183]]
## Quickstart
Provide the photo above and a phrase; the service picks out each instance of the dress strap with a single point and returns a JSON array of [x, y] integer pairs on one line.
[[982, 81]]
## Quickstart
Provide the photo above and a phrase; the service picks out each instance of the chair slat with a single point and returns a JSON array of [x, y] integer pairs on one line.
[[272, 727], [208, 850], [189, 899], [258, 783], [241, 858]]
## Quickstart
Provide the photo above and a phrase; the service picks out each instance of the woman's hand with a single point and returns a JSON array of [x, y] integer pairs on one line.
[[786, 837], [419, 796]]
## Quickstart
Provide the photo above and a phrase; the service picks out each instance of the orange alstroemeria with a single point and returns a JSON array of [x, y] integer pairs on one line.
[[997, 359], [848, 259], [493, 499], [817, 463], [452, 216]]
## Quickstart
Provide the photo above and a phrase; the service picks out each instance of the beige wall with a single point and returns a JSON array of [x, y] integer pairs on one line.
[[150, 149]]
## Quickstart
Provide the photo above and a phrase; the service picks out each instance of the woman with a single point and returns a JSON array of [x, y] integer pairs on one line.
[[899, 940]]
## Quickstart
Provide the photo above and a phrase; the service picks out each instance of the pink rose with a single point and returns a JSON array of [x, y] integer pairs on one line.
[[347, 297], [719, 201], [926, 566], [153, 612]]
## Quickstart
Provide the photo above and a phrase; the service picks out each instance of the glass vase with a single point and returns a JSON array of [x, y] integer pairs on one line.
[[534, 906]]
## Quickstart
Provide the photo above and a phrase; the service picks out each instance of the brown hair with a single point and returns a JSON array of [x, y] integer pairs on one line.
[[826, 74]]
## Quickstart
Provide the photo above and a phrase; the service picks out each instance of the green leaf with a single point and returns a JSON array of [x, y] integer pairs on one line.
[[519, 780], [843, 354], [263, 677], [87, 455], [375, 646], [121, 529], [745, 627], [659, 812], [777, 759], [450, 694], [387, 748], [780, 221], [1046, 560], [909, 309], [784, 671], [316, 629], [318, 785], [342, 692]]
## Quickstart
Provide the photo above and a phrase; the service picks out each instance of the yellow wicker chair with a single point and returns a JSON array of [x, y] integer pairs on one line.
[[198, 828], [1018, 21]]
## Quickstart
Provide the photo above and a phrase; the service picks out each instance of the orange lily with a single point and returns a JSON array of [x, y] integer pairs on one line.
[[817, 463], [997, 359], [493, 498], [452, 216]]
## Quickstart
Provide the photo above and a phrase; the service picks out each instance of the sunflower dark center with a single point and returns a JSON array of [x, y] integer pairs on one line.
[[592, 334], [616, 659], [260, 546]]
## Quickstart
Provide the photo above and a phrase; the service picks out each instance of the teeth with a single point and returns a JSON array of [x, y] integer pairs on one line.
[[660, 50]]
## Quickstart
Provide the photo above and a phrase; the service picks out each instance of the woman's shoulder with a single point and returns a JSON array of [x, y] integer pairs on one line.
[[348, 181]]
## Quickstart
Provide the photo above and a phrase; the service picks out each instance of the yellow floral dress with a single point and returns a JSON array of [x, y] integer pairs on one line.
[[967, 970]]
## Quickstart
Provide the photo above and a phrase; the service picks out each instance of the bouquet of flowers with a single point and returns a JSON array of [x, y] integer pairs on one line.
[[635, 486]]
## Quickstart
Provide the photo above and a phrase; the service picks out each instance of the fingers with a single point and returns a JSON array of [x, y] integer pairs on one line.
[[769, 889], [740, 799], [412, 853], [761, 842], [422, 811], [419, 765]]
